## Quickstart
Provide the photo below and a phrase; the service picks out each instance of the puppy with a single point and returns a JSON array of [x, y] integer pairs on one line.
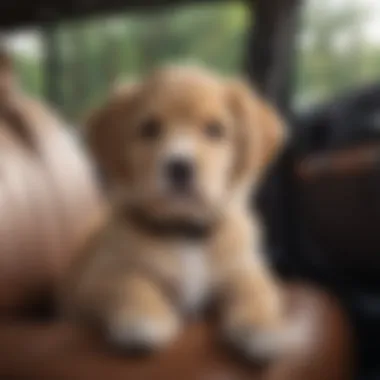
[[182, 152]]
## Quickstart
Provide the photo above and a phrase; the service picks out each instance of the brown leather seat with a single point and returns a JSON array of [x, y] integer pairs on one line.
[[49, 203], [32, 350]]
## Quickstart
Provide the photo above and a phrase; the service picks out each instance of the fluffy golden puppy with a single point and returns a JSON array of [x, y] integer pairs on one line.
[[182, 152]]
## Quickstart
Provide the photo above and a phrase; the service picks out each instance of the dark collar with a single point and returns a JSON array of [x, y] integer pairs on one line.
[[174, 228]]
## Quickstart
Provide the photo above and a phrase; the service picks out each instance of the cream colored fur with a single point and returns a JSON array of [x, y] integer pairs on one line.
[[142, 288]]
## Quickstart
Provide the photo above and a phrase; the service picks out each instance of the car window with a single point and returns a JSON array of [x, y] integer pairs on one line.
[[338, 49], [73, 64]]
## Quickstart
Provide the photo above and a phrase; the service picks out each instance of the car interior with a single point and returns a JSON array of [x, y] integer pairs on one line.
[[320, 204]]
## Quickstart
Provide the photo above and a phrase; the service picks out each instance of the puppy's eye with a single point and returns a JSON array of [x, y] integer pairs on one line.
[[214, 130], [150, 129]]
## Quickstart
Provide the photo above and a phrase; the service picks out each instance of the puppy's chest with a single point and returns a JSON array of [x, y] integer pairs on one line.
[[194, 277]]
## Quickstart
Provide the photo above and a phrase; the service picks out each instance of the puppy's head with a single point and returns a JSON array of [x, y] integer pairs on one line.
[[183, 142]]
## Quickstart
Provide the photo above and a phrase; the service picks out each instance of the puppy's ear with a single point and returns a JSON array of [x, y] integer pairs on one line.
[[260, 132], [105, 132]]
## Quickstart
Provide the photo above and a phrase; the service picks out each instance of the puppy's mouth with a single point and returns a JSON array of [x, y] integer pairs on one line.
[[186, 202], [185, 193]]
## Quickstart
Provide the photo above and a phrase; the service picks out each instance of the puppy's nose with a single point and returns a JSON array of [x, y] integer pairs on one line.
[[180, 173]]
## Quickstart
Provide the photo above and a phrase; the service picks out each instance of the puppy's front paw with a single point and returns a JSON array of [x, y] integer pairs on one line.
[[266, 343], [257, 344], [142, 334]]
